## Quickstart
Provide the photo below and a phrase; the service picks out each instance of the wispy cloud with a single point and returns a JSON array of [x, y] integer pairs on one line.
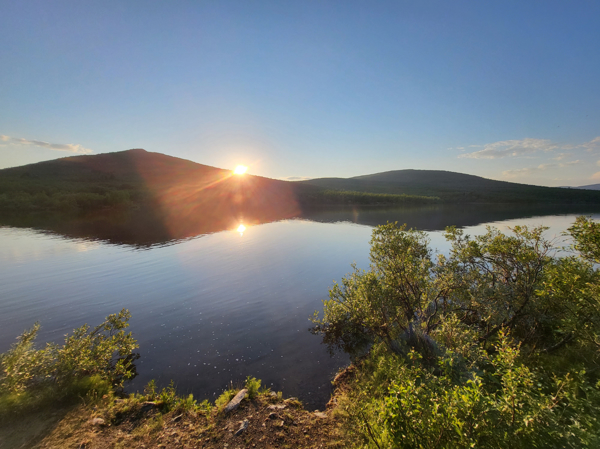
[[593, 144], [526, 147], [511, 148], [566, 164], [68, 147], [518, 172], [295, 178]]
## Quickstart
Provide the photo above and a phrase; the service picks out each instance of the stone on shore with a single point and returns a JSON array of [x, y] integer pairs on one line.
[[243, 426], [97, 422], [235, 402]]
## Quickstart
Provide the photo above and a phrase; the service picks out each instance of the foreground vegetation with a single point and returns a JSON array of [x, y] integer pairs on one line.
[[495, 345], [91, 362], [71, 396]]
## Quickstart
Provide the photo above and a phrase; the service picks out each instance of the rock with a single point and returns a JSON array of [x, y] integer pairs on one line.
[[243, 426], [277, 407], [97, 422], [235, 402], [320, 415], [148, 406]]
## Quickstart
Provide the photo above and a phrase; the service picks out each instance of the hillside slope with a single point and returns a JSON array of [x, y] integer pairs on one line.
[[188, 198], [139, 177], [456, 188]]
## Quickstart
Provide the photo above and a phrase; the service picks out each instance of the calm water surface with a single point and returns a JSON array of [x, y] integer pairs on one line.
[[213, 309]]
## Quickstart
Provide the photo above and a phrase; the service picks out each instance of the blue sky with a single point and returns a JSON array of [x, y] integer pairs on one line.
[[506, 90]]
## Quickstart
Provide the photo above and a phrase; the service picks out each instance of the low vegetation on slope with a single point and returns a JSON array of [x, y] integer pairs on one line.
[[347, 197]]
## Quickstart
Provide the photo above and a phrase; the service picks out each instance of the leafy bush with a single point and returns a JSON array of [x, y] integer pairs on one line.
[[253, 386], [225, 397], [90, 359], [495, 345], [398, 402]]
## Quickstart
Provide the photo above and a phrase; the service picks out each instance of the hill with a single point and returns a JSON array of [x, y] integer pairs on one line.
[[588, 187], [180, 197], [188, 198], [453, 187], [183, 193]]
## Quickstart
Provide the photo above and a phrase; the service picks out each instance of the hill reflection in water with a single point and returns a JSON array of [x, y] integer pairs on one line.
[[148, 227], [209, 311]]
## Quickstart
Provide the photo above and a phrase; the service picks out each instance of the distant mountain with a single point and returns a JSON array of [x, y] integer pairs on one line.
[[456, 188], [589, 187], [180, 190]]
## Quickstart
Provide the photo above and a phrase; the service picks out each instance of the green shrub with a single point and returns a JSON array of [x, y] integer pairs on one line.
[[150, 390], [253, 386], [495, 345], [225, 397], [167, 397], [97, 359]]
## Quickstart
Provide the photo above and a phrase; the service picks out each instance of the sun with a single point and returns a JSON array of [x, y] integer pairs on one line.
[[240, 170]]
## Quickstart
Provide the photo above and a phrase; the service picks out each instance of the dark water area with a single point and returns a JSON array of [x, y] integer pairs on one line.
[[147, 227], [211, 304]]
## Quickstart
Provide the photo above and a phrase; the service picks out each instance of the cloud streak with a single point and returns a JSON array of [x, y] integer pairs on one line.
[[67, 147], [517, 172], [525, 147], [295, 178], [511, 148], [593, 144]]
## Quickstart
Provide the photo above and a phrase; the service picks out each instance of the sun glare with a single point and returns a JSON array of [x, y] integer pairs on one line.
[[240, 170], [241, 228]]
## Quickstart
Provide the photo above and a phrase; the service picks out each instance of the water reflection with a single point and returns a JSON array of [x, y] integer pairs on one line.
[[210, 310], [147, 227]]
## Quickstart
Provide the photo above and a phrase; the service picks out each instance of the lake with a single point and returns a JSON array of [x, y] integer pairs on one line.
[[210, 309]]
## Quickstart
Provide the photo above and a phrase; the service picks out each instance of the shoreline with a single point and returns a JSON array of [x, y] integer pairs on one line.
[[142, 421]]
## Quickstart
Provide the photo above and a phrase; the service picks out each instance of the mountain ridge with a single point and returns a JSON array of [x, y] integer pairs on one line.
[[454, 187], [138, 173]]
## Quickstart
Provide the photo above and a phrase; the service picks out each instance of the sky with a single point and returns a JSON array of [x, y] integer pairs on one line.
[[508, 90]]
